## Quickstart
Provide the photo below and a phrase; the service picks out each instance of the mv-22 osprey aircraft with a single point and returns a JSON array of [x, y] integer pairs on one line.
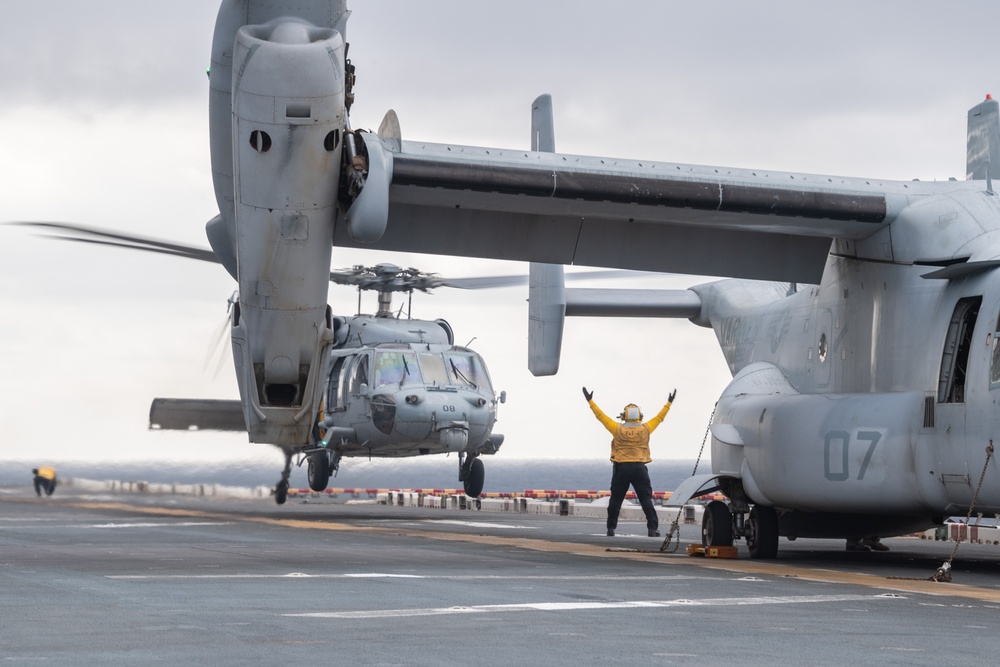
[[861, 329]]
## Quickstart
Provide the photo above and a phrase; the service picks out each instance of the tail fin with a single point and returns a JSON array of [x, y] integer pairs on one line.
[[983, 148], [546, 317], [543, 133], [546, 291]]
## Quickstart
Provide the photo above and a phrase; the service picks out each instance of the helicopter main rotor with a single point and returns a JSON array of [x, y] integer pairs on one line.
[[385, 279]]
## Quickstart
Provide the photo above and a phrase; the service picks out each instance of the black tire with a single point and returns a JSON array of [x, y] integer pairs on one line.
[[475, 479], [717, 525], [318, 472], [281, 493], [762, 532]]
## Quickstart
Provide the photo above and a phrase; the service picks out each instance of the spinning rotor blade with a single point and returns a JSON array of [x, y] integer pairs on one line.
[[491, 282], [391, 278], [385, 277], [83, 234], [216, 354]]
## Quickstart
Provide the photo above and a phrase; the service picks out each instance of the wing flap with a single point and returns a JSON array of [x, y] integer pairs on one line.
[[612, 243]]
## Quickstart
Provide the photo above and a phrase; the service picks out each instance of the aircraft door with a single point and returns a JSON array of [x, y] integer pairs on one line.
[[337, 389], [360, 374], [952, 409], [994, 346], [957, 348]]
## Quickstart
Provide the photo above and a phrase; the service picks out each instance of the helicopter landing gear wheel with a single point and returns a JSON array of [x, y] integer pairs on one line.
[[318, 472], [281, 489], [474, 478], [762, 532], [717, 525]]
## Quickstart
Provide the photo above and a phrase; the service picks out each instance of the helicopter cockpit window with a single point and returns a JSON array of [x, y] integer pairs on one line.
[[467, 370], [334, 398], [360, 374], [433, 369], [396, 368]]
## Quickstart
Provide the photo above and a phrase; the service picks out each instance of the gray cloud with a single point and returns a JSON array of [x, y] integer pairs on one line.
[[101, 54]]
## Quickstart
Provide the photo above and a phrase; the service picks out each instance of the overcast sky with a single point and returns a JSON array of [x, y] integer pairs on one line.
[[104, 115]]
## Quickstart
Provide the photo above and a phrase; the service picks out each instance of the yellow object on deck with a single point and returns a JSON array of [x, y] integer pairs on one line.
[[711, 552]]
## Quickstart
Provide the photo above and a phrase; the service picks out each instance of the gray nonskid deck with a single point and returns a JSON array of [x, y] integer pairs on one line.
[[114, 578]]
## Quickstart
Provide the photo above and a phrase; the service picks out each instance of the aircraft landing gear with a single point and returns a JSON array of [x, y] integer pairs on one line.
[[762, 532], [717, 525], [281, 489], [472, 474], [318, 472], [722, 524]]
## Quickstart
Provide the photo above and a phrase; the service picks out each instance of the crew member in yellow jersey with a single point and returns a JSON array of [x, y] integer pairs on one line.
[[630, 454], [45, 480]]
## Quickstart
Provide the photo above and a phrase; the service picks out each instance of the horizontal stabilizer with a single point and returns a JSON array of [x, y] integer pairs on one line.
[[193, 414], [963, 270]]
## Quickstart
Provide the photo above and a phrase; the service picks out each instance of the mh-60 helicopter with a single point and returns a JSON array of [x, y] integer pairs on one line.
[[401, 387], [391, 386]]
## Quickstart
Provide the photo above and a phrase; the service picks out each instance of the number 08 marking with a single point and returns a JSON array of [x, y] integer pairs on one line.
[[836, 468]]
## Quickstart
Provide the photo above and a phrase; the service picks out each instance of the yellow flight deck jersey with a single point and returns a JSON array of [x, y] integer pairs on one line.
[[47, 473], [631, 441]]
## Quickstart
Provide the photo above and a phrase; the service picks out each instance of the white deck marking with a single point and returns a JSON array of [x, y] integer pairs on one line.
[[183, 524], [158, 525], [290, 575], [584, 606], [478, 524], [382, 575]]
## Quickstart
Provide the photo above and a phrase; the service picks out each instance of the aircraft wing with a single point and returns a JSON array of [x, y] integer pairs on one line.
[[651, 216]]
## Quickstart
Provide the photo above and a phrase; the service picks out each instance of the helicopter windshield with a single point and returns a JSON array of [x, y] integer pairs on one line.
[[461, 369], [395, 367], [432, 366], [466, 369]]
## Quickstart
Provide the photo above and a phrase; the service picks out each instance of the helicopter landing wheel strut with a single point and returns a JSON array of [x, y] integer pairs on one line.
[[319, 470], [475, 476], [281, 489]]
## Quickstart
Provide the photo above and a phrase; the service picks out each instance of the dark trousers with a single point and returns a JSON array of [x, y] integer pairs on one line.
[[637, 476], [46, 485]]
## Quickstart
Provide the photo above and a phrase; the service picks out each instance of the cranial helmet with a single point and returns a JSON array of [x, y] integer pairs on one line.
[[631, 413]]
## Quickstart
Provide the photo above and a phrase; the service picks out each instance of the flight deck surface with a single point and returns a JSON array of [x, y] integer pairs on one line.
[[136, 578]]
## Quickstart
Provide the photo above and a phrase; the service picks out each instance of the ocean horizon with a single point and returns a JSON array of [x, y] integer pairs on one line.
[[502, 475]]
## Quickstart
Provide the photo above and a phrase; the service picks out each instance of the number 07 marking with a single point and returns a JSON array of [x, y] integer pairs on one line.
[[843, 439]]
